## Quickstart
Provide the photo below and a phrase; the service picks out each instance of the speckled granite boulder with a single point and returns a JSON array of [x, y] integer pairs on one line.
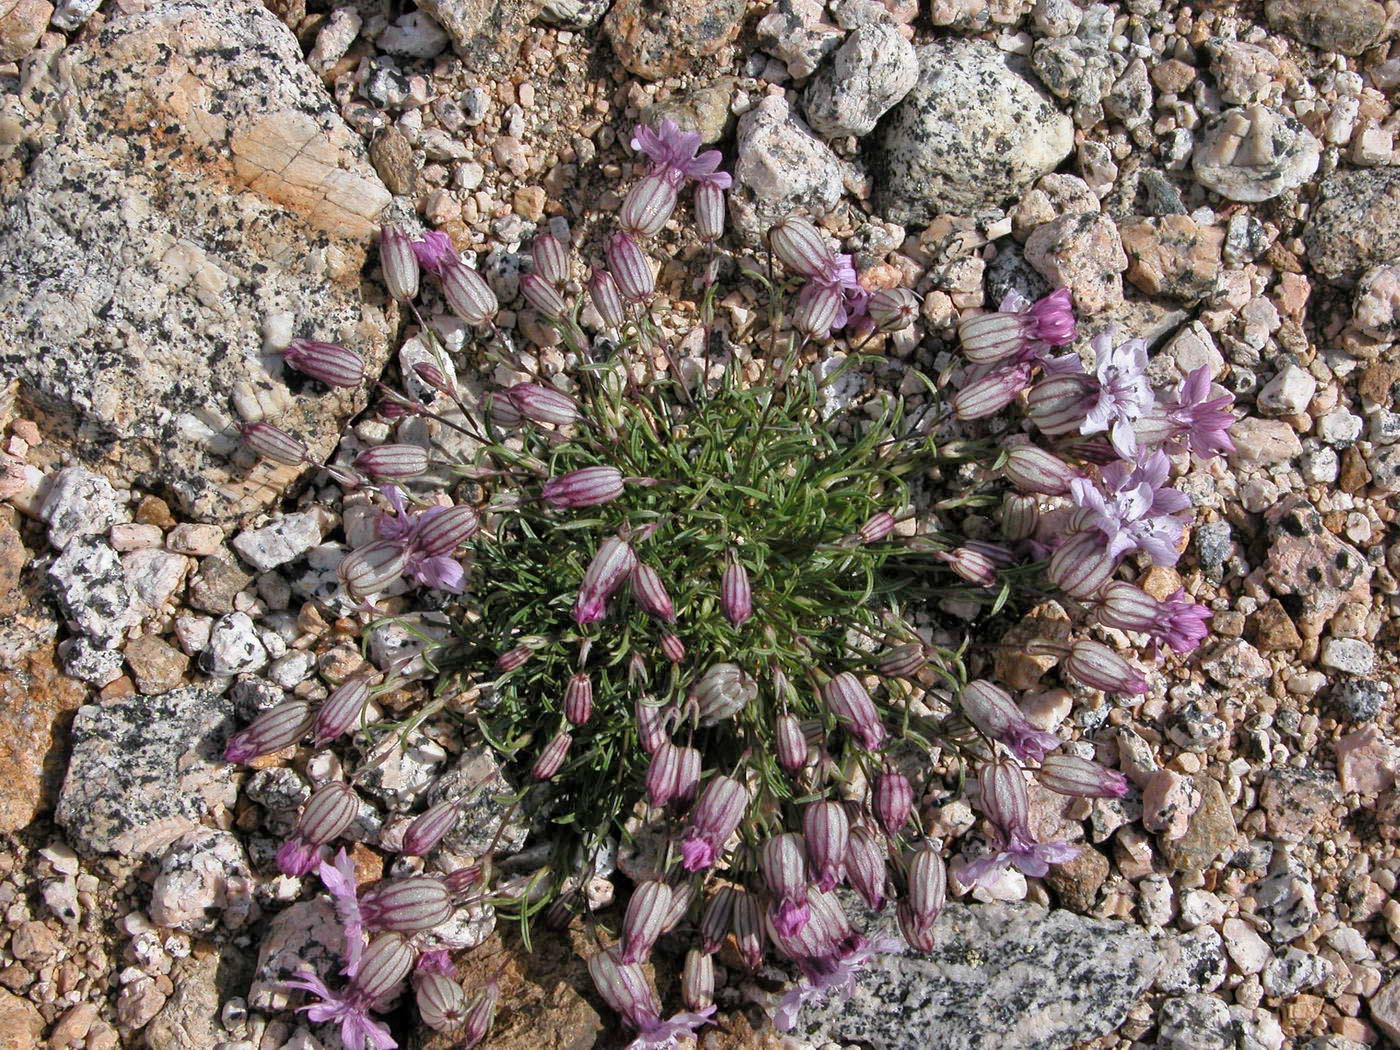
[[484, 32], [661, 38], [145, 769], [1355, 223], [1002, 977], [190, 200], [781, 169], [974, 133]]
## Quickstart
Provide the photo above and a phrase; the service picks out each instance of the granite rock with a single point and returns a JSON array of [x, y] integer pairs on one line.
[[77, 502], [91, 588], [484, 32], [974, 132], [36, 704], [798, 34], [1355, 223], [305, 936], [1345, 26], [204, 879], [661, 38], [781, 168], [1195, 1022], [22, 23], [1254, 153], [190, 201], [479, 780], [1209, 833], [870, 72], [145, 769], [204, 980], [1002, 977], [1081, 252]]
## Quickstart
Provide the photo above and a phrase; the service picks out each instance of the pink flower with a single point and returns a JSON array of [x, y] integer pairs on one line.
[[1124, 395], [1202, 423], [357, 1029], [434, 250], [832, 975], [673, 157], [339, 880]]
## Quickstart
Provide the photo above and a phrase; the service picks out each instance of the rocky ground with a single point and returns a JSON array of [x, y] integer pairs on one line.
[[186, 184]]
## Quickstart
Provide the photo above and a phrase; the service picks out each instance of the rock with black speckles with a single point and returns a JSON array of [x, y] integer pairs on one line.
[[1254, 153], [1345, 26], [204, 880], [1355, 223], [974, 133], [305, 936], [662, 38], [144, 771], [871, 71], [485, 32], [234, 647], [478, 779], [782, 168], [91, 587], [201, 205], [1001, 977]]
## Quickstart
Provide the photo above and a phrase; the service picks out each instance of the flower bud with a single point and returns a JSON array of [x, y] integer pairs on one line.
[[918, 936], [1001, 789], [406, 906], [748, 928], [540, 294], [386, 961], [587, 487], [551, 259], [430, 827], [394, 462], [672, 647], [970, 565], [1053, 318], [269, 442], [328, 363], [847, 699], [800, 247], [607, 300], [1099, 667], [650, 593], [552, 758], [480, 1016], [328, 812], [653, 722], [989, 394], [399, 263], [1059, 404], [716, 816], [928, 887], [698, 980], [441, 1002], [717, 919], [893, 802], [1072, 775], [1128, 608], [709, 211], [818, 306], [647, 206], [340, 712], [783, 859], [903, 661], [673, 775], [643, 922], [442, 531], [736, 596], [467, 293], [723, 691], [1033, 469], [623, 987], [1081, 565], [827, 830], [276, 728], [513, 659], [1020, 515], [876, 527], [893, 309], [369, 569], [791, 743], [994, 338], [578, 699], [629, 267], [501, 410], [610, 566], [865, 866], [544, 404]]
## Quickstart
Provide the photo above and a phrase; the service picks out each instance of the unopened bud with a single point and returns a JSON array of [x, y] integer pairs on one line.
[[341, 711], [650, 593], [847, 699], [865, 866], [893, 309], [717, 919], [369, 569], [467, 293], [1072, 775], [276, 728], [876, 527], [989, 394], [578, 699], [928, 887], [645, 920], [749, 933], [903, 661], [698, 980], [399, 263], [736, 596], [586, 487], [709, 211], [552, 758], [894, 801], [1020, 515], [551, 259], [386, 961], [826, 829], [480, 1016], [430, 827], [1099, 667], [607, 300], [269, 442], [394, 462], [328, 363], [647, 206], [543, 296], [653, 722], [513, 659], [673, 775], [791, 743], [672, 647], [544, 404], [1033, 469], [723, 691], [406, 906], [800, 247], [629, 267]]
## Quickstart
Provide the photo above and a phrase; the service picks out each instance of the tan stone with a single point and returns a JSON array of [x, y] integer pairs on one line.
[[36, 700], [20, 1023], [1172, 256], [22, 23]]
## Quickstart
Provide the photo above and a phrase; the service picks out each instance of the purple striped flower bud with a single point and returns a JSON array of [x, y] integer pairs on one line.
[[818, 305], [480, 1016], [709, 211], [551, 259], [629, 267], [644, 921], [1081, 565], [540, 294], [717, 919], [467, 293], [269, 442], [893, 802], [715, 817], [624, 987], [340, 712], [698, 980], [276, 728], [406, 906], [928, 887], [578, 699], [544, 404], [893, 309], [1072, 775], [647, 206], [783, 860], [394, 462], [673, 775], [653, 723], [468, 879], [430, 827], [587, 487], [1001, 787], [512, 659], [827, 831], [990, 708], [328, 363], [552, 758], [994, 338], [650, 593], [501, 410], [1059, 404], [749, 933], [433, 376], [847, 699], [723, 691], [610, 566], [399, 263], [442, 530], [1099, 667], [970, 565], [735, 594], [672, 647], [441, 1002], [876, 527], [607, 300], [327, 813], [989, 394], [1020, 515], [903, 661], [1033, 469], [369, 569], [1128, 608], [791, 743], [384, 964], [865, 866], [800, 247]]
